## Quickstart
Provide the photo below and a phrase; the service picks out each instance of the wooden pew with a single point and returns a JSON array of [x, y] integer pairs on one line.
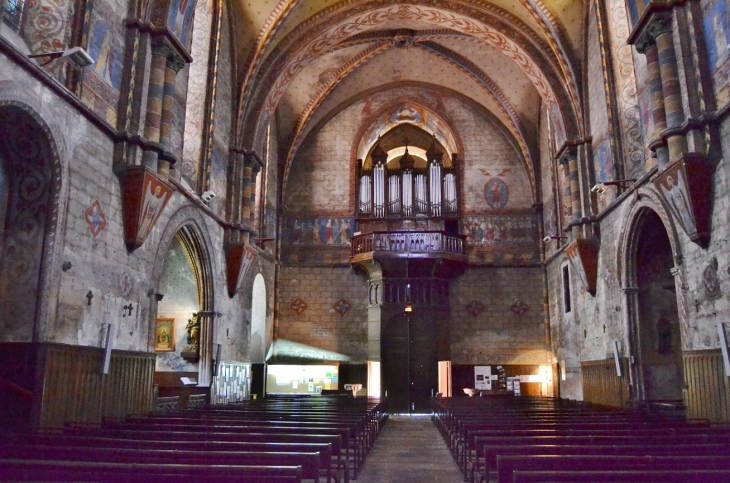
[[488, 463], [640, 476], [506, 465], [309, 462], [73, 471], [327, 461]]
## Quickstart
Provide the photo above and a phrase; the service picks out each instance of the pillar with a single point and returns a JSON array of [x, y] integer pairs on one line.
[[672, 91]]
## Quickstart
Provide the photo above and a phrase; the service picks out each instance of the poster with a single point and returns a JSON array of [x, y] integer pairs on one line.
[[483, 378]]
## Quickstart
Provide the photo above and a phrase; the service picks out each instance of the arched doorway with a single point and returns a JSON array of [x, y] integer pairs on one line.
[[26, 198], [656, 331], [257, 349], [186, 305]]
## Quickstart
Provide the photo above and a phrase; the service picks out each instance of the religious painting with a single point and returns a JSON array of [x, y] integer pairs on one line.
[[102, 81], [333, 231], [603, 162], [636, 9], [583, 256], [106, 53], [156, 194], [95, 218], [496, 193], [406, 113], [672, 185], [165, 335], [556, 123], [181, 13], [717, 32], [249, 255]]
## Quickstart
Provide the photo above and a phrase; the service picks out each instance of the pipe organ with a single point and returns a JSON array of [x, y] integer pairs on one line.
[[406, 191]]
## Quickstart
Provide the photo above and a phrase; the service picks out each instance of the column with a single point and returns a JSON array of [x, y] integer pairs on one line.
[[568, 158], [672, 91], [153, 115], [657, 106], [173, 65]]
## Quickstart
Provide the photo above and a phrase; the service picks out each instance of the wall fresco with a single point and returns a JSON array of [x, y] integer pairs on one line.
[[102, 81], [181, 13], [716, 24], [320, 231], [510, 239]]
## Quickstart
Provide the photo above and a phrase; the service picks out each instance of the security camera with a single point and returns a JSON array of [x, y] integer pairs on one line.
[[208, 195]]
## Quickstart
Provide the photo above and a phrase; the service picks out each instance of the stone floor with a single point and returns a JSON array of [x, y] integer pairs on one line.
[[409, 449]]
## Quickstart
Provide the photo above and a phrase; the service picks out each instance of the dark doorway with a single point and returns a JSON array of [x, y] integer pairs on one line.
[[410, 361], [26, 197], [658, 334]]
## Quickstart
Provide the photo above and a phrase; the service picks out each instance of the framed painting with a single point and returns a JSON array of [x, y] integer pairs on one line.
[[165, 335]]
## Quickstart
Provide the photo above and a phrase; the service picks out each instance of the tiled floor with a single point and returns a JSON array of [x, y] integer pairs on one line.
[[410, 449]]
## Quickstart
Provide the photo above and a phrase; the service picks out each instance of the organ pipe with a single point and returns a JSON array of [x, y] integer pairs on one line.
[[379, 190]]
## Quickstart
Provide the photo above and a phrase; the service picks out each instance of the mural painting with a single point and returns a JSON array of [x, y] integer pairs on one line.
[[716, 24], [636, 8], [604, 162], [102, 81], [408, 114], [335, 232], [556, 123], [673, 187], [496, 193], [181, 14], [502, 239]]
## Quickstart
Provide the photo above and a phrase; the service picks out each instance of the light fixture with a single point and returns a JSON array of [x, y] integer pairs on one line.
[[603, 185], [208, 195], [76, 56], [408, 309], [553, 237]]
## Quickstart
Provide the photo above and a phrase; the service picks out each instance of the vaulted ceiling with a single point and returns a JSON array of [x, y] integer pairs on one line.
[[302, 59]]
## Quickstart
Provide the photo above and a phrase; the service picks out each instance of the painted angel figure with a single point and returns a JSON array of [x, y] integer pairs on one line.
[[153, 201], [676, 195]]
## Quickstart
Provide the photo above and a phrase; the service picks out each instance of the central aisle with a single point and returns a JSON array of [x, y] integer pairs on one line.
[[409, 449]]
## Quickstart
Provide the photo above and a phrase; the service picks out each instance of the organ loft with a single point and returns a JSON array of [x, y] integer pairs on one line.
[[208, 202]]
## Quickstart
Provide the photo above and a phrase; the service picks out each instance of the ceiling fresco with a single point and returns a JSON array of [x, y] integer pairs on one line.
[[309, 59]]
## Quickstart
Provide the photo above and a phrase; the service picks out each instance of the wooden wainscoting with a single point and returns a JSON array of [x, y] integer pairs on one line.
[[708, 389], [601, 385], [67, 385]]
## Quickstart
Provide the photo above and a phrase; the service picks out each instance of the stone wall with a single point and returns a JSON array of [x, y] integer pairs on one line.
[[497, 318], [324, 308]]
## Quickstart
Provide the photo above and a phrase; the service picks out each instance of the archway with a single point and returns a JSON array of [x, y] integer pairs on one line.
[[258, 346], [657, 326], [26, 198]]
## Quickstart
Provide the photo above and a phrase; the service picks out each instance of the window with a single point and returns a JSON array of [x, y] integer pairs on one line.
[[13, 13], [566, 289]]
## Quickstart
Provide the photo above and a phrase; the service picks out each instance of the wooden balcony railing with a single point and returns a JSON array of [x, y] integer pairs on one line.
[[397, 242]]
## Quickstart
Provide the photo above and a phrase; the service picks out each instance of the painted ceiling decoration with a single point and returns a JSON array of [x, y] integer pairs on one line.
[[311, 58]]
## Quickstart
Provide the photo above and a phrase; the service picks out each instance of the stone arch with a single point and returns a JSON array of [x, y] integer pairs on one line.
[[188, 223], [258, 344], [535, 57], [645, 211], [19, 101]]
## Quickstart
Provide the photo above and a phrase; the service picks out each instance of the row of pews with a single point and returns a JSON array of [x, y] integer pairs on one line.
[[533, 439], [293, 439]]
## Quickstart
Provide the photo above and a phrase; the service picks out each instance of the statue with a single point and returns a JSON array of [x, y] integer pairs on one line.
[[191, 352]]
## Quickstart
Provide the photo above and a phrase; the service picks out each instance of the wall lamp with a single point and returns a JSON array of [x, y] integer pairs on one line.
[[554, 237], [76, 57], [408, 309], [603, 185]]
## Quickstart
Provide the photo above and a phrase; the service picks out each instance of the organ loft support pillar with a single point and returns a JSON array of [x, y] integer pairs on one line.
[[409, 274]]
